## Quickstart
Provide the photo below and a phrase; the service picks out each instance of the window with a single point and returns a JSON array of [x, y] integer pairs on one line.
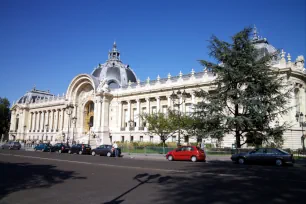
[[46, 137], [173, 138], [154, 109], [151, 138], [132, 138], [51, 138], [164, 109], [141, 138], [186, 139], [122, 138], [258, 151], [111, 139]]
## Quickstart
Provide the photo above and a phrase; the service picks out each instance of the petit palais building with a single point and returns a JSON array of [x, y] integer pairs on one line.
[[104, 106]]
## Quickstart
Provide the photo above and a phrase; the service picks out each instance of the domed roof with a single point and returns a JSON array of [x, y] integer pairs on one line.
[[263, 46], [114, 71], [33, 95]]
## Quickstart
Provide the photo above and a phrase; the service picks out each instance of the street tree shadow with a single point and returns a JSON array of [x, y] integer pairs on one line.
[[20, 176], [144, 178], [229, 183]]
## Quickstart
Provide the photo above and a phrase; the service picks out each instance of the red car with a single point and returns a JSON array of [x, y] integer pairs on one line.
[[192, 153]]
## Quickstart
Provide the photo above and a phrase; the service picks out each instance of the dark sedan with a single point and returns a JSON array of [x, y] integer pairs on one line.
[[264, 155], [44, 147], [60, 148], [80, 149], [105, 150], [11, 145]]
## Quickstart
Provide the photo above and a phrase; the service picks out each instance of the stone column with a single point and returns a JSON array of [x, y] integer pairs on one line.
[[36, 121], [138, 112], [128, 113], [31, 121], [51, 121], [39, 121], [100, 100], [169, 102], [120, 114], [148, 105], [95, 113], [62, 118], [48, 121], [157, 104], [57, 119]]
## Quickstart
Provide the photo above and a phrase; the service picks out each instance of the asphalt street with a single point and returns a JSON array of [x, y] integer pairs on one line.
[[37, 177]]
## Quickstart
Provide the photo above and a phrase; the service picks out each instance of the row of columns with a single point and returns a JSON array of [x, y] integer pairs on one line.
[[51, 119], [147, 106]]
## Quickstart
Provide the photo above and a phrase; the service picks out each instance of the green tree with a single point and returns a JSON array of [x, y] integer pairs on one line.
[[248, 95], [160, 124], [4, 115]]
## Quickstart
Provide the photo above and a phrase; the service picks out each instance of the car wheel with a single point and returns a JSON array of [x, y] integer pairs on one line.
[[193, 158], [109, 154], [241, 160], [170, 158], [279, 162], [80, 152], [60, 151], [93, 153], [69, 152]]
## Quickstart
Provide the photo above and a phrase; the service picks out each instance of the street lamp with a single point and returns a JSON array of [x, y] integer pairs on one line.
[[69, 109], [300, 118], [47, 130], [24, 131], [178, 99], [74, 122]]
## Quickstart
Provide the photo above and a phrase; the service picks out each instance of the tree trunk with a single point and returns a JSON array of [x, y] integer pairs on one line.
[[237, 132]]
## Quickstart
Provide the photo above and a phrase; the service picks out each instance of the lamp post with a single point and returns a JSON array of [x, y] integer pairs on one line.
[[176, 97], [300, 118], [69, 109], [131, 125], [24, 131], [47, 125], [74, 122]]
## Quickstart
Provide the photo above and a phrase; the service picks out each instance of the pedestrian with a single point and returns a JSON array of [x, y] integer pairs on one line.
[[115, 146]]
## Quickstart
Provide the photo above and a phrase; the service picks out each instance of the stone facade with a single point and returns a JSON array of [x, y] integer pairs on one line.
[[103, 104]]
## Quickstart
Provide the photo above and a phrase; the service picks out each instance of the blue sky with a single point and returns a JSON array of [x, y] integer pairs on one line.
[[47, 43]]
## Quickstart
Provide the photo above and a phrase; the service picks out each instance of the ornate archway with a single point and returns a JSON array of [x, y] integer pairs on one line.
[[88, 116]]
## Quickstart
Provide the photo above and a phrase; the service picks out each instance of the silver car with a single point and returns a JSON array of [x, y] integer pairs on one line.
[[264, 155], [11, 145]]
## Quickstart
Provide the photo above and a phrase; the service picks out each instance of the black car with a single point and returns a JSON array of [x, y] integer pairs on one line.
[[80, 149], [60, 148], [264, 155], [11, 145], [105, 150]]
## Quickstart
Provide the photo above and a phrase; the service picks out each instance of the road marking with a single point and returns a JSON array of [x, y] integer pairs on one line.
[[154, 169], [89, 163]]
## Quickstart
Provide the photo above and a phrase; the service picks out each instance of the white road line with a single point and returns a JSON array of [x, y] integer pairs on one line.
[[154, 169], [89, 163]]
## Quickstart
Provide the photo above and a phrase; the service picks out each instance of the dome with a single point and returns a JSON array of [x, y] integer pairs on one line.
[[33, 95], [114, 71]]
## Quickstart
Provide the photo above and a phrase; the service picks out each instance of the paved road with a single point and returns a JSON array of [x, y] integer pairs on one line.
[[36, 177]]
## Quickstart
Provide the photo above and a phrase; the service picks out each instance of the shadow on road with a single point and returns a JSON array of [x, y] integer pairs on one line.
[[20, 176], [142, 179], [229, 183]]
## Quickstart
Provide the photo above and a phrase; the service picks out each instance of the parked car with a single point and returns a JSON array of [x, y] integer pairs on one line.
[[60, 148], [44, 147], [192, 153], [264, 155], [105, 150], [80, 149], [11, 145]]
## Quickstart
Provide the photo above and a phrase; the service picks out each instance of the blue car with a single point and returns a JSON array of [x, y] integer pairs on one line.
[[44, 147]]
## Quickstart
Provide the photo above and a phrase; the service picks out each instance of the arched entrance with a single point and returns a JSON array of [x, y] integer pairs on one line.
[[88, 116]]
